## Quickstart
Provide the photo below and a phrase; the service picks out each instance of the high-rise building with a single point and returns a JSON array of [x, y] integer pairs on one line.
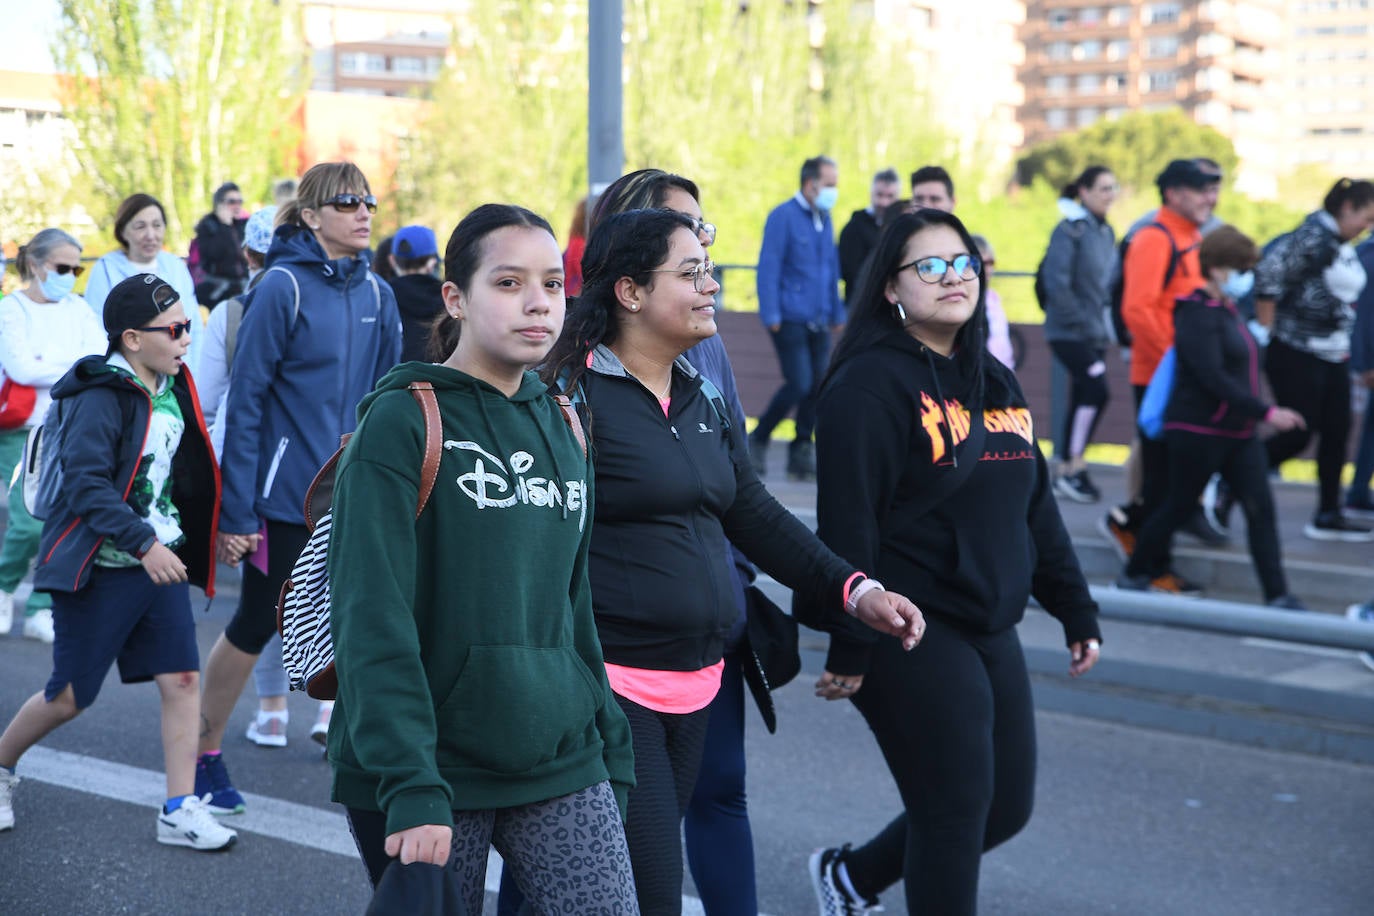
[[1220, 61], [1329, 78]]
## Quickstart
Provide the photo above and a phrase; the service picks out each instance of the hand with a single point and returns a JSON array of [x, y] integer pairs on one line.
[[838, 686], [231, 548], [1284, 419], [774, 328], [163, 566], [428, 843], [837, 328], [893, 614], [1083, 656], [1366, 378]]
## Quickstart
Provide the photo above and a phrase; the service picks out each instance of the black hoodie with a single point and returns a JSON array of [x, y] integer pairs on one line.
[[419, 299], [883, 438]]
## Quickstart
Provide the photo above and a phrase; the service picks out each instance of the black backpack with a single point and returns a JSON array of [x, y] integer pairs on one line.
[[1123, 333]]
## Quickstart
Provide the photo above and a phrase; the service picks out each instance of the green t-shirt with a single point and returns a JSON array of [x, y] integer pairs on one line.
[[151, 494]]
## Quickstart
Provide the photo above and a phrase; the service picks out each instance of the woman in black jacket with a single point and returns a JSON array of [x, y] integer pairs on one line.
[[928, 471], [672, 480], [1212, 422]]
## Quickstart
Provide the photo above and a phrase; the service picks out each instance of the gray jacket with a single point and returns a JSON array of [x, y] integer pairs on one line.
[[1077, 278]]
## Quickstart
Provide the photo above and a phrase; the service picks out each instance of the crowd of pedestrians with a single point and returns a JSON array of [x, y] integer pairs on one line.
[[578, 709]]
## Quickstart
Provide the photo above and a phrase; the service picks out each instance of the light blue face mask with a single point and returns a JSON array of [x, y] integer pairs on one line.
[[1238, 285], [56, 286], [826, 198]]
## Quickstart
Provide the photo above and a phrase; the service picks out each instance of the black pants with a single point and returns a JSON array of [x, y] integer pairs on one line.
[[255, 621], [1088, 393], [1154, 471], [1193, 458], [956, 725], [667, 757], [1320, 391]]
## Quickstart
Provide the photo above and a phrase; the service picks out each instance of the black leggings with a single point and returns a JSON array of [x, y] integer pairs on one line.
[[567, 854], [1320, 391], [255, 621], [1193, 458], [1088, 393], [667, 756], [956, 725]]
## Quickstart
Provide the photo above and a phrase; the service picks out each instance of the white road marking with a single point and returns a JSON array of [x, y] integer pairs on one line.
[[303, 825]]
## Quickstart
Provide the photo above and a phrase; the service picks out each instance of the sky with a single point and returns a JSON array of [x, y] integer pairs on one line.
[[27, 27]]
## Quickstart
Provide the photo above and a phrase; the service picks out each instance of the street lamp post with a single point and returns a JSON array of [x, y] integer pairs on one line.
[[605, 141]]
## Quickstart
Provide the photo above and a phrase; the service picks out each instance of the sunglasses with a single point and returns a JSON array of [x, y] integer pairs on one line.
[[75, 270], [933, 269], [174, 331], [349, 203], [705, 229]]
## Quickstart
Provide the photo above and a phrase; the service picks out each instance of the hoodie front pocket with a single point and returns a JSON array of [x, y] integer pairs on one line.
[[515, 708], [276, 465]]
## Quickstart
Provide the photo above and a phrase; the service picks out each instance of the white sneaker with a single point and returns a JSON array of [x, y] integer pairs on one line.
[[6, 612], [7, 783], [38, 625], [268, 729], [193, 825], [320, 730]]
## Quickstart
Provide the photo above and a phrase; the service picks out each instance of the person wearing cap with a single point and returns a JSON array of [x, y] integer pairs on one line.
[[419, 298], [1160, 267], [219, 262], [133, 528]]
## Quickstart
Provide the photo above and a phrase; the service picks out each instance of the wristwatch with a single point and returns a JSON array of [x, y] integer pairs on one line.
[[851, 605]]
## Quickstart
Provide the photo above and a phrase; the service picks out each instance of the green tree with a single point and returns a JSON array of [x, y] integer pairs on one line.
[[173, 97]]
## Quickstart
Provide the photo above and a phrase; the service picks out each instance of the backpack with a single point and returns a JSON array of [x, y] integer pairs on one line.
[[1040, 295], [303, 607], [40, 481], [1123, 333]]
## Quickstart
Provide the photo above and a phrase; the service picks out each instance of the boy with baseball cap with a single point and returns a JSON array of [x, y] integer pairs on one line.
[[136, 524]]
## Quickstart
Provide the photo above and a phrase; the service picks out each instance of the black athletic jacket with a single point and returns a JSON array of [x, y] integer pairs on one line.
[[1217, 373], [889, 425], [669, 490]]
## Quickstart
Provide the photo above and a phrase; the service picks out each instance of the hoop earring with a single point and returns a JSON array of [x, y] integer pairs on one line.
[[901, 312]]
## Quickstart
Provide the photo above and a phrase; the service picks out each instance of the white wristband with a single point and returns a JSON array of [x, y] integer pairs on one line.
[[868, 585]]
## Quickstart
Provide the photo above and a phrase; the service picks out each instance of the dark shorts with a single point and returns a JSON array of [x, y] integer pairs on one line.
[[120, 616], [255, 622]]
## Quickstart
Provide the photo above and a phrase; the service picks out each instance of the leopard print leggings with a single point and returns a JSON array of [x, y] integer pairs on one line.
[[568, 854]]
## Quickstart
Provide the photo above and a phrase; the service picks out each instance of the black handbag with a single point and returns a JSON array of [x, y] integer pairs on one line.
[[773, 657]]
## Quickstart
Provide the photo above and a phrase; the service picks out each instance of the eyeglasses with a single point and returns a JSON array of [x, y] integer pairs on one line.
[[348, 203], [697, 275], [703, 228], [75, 270], [234, 201], [174, 331], [933, 269]]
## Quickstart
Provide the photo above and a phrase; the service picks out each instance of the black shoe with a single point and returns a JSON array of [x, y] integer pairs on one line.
[[1077, 487], [1286, 603], [801, 460], [758, 453], [1332, 526], [1116, 528], [1129, 583], [1217, 503], [1199, 529]]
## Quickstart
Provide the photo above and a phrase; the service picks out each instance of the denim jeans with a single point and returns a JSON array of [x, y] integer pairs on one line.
[[1364, 457], [803, 350]]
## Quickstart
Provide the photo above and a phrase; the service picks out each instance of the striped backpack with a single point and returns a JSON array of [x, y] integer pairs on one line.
[[303, 607]]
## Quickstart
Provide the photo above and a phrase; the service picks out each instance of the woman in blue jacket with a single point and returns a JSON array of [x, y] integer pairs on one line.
[[318, 331]]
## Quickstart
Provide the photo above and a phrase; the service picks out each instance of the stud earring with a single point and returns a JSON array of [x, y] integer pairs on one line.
[[901, 312]]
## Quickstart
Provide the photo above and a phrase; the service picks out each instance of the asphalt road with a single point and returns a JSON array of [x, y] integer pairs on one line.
[[1128, 821]]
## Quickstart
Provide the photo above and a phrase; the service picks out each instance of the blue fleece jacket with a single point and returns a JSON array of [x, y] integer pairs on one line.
[[799, 268], [298, 375], [1362, 337]]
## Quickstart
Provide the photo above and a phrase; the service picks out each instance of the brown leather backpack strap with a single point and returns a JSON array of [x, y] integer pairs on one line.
[[573, 420], [429, 470]]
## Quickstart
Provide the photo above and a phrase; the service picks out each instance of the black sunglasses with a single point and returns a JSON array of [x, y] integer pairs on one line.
[[75, 270], [348, 203], [174, 330]]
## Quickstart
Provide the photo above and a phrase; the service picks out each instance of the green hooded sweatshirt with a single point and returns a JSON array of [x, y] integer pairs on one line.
[[470, 673]]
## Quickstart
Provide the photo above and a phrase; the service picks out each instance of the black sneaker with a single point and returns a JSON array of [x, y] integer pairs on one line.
[[1199, 529], [1360, 510], [801, 460], [758, 453], [1332, 526], [1077, 487], [1286, 603], [1171, 583], [1217, 503], [1116, 528], [831, 896], [1129, 583]]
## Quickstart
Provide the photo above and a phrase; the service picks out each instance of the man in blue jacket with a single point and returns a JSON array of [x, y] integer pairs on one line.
[[799, 303]]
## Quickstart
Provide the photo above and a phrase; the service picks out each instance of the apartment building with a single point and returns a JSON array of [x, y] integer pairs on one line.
[[1329, 83], [378, 47], [1221, 61]]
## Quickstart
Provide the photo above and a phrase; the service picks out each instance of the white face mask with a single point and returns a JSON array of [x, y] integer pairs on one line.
[[826, 198], [56, 286], [1238, 284]]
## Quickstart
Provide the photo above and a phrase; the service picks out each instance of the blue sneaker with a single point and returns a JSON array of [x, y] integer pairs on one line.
[[212, 780]]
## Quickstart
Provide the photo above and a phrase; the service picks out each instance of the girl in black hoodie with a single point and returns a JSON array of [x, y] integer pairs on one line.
[[928, 473]]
